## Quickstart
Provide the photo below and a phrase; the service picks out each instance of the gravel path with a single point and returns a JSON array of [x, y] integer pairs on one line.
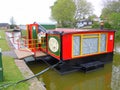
[[9, 53]]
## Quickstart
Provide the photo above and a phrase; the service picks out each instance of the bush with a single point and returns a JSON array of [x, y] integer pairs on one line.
[[12, 26], [107, 25], [95, 25], [117, 36]]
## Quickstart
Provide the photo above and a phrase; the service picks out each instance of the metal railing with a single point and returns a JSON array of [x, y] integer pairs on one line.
[[33, 45]]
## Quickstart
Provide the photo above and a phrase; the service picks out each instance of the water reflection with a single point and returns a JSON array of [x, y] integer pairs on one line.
[[115, 84], [97, 80]]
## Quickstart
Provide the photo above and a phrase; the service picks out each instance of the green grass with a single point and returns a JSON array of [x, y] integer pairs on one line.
[[12, 74], [24, 33], [3, 43], [10, 70], [116, 60]]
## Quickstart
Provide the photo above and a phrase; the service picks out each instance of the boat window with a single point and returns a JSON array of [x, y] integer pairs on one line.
[[103, 43], [84, 44], [76, 45], [90, 45]]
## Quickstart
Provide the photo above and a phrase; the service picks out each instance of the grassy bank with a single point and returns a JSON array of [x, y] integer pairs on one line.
[[24, 33], [3, 44], [116, 60], [12, 74], [10, 70]]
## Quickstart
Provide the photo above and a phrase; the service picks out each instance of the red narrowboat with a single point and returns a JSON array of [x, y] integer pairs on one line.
[[76, 49]]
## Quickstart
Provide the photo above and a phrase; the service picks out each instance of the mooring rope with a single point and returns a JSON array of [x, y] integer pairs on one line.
[[41, 72]]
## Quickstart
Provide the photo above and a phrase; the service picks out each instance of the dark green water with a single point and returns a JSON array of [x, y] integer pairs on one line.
[[107, 78]]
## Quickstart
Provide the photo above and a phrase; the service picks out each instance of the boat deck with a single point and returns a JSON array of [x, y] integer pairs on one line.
[[22, 53]]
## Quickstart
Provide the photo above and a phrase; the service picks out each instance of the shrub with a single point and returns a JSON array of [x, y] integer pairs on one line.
[[117, 36], [107, 25], [95, 25]]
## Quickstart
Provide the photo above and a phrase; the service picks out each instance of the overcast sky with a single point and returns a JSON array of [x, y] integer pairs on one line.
[[28, 11]]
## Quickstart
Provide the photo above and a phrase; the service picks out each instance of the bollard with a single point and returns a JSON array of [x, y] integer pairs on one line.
[[1, 67]]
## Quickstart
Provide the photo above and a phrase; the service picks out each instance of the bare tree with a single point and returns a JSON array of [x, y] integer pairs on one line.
[[13, 23], [83, 9]]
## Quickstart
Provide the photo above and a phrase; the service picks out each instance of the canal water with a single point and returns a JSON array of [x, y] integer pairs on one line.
[[107, 78]]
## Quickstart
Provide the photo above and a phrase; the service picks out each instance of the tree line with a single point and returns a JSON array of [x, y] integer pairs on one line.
[[111, 16], [111, 13], [68, 12]]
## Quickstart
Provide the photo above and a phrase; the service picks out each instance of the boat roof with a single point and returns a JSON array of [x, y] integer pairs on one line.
[[69, 30]]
